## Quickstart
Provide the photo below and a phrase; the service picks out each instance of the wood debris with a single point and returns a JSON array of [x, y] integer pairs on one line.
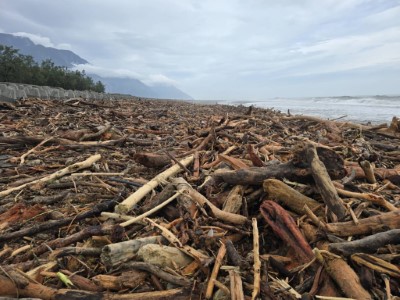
[[99, 199]]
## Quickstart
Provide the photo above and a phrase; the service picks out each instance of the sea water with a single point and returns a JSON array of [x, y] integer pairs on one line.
[[360, 109]]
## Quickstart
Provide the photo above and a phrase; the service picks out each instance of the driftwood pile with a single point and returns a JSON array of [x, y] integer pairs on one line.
[[146, 199]]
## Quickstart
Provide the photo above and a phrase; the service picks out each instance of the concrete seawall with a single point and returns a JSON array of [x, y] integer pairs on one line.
[[12, 91]]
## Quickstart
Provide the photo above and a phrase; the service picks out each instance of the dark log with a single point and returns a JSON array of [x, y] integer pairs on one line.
[[384, 221], [368, 244], [295, 170], [112, 230]]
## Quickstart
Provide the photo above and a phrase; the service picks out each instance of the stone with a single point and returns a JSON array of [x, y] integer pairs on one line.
[[164, 256]]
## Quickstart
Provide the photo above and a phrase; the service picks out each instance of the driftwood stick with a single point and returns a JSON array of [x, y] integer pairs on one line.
[[235, 257], [215, 270], [198, 256], [17, 284], [324, 183], [236, 285], [89, 136], [178, 280], [151, 211], [135, 198], [368, 197], [219, 214], [368, 244], [203, 201], [277, 190], [36, 228], [33, 150], [70, 169], [71, 239], [257, 261], [389, 220], [128, 279]]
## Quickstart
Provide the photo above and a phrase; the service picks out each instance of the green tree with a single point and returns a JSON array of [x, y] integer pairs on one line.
[[18, 68]]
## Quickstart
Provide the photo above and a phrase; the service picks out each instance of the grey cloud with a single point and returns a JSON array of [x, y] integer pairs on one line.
[[224, 48]]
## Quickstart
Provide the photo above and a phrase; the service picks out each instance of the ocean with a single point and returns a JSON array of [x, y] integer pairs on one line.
[[359, 109]]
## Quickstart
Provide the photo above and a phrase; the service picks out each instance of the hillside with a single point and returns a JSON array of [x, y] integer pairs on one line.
[[69, 59]]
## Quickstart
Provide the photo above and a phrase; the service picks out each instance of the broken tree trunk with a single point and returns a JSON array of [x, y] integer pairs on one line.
[[324, 183]]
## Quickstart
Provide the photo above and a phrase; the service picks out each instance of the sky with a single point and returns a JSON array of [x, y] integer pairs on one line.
[[226, 49]]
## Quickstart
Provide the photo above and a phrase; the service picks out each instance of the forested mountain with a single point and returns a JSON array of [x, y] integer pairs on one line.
[[66, 58]]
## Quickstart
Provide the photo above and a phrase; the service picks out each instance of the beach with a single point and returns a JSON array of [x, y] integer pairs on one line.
[[147, 199]]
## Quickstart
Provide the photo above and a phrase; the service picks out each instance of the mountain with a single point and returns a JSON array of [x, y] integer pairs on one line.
[[125, 85], [66, 58], [39, 53]]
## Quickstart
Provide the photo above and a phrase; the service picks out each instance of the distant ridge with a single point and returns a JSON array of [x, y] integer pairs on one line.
[[65, 58], [69, 59]]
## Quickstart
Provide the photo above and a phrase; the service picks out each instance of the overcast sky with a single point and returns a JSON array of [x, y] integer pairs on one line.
[[226, 49]]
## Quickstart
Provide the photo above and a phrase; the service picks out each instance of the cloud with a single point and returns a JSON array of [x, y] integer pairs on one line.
[[157, 79], [36, 39], [42, 40], [225, 48], [152, 79]]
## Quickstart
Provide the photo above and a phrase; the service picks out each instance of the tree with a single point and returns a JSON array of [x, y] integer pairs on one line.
[[18, 68]]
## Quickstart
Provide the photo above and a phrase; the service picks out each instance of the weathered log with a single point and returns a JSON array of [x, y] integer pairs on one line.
[[284, 226], [294, 170], [277, 190], [367, 244], [128, 279], [114, 254], [324, 183], [342, 274], [152, 160], [384, 221]]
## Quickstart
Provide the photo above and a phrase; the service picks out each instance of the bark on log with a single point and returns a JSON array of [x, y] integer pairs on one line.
[[324, 183], [277, 190], [114, 254], [343, 275], [389, 220], [368, 244], [152, 160], [294, 170], [285, 227]]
